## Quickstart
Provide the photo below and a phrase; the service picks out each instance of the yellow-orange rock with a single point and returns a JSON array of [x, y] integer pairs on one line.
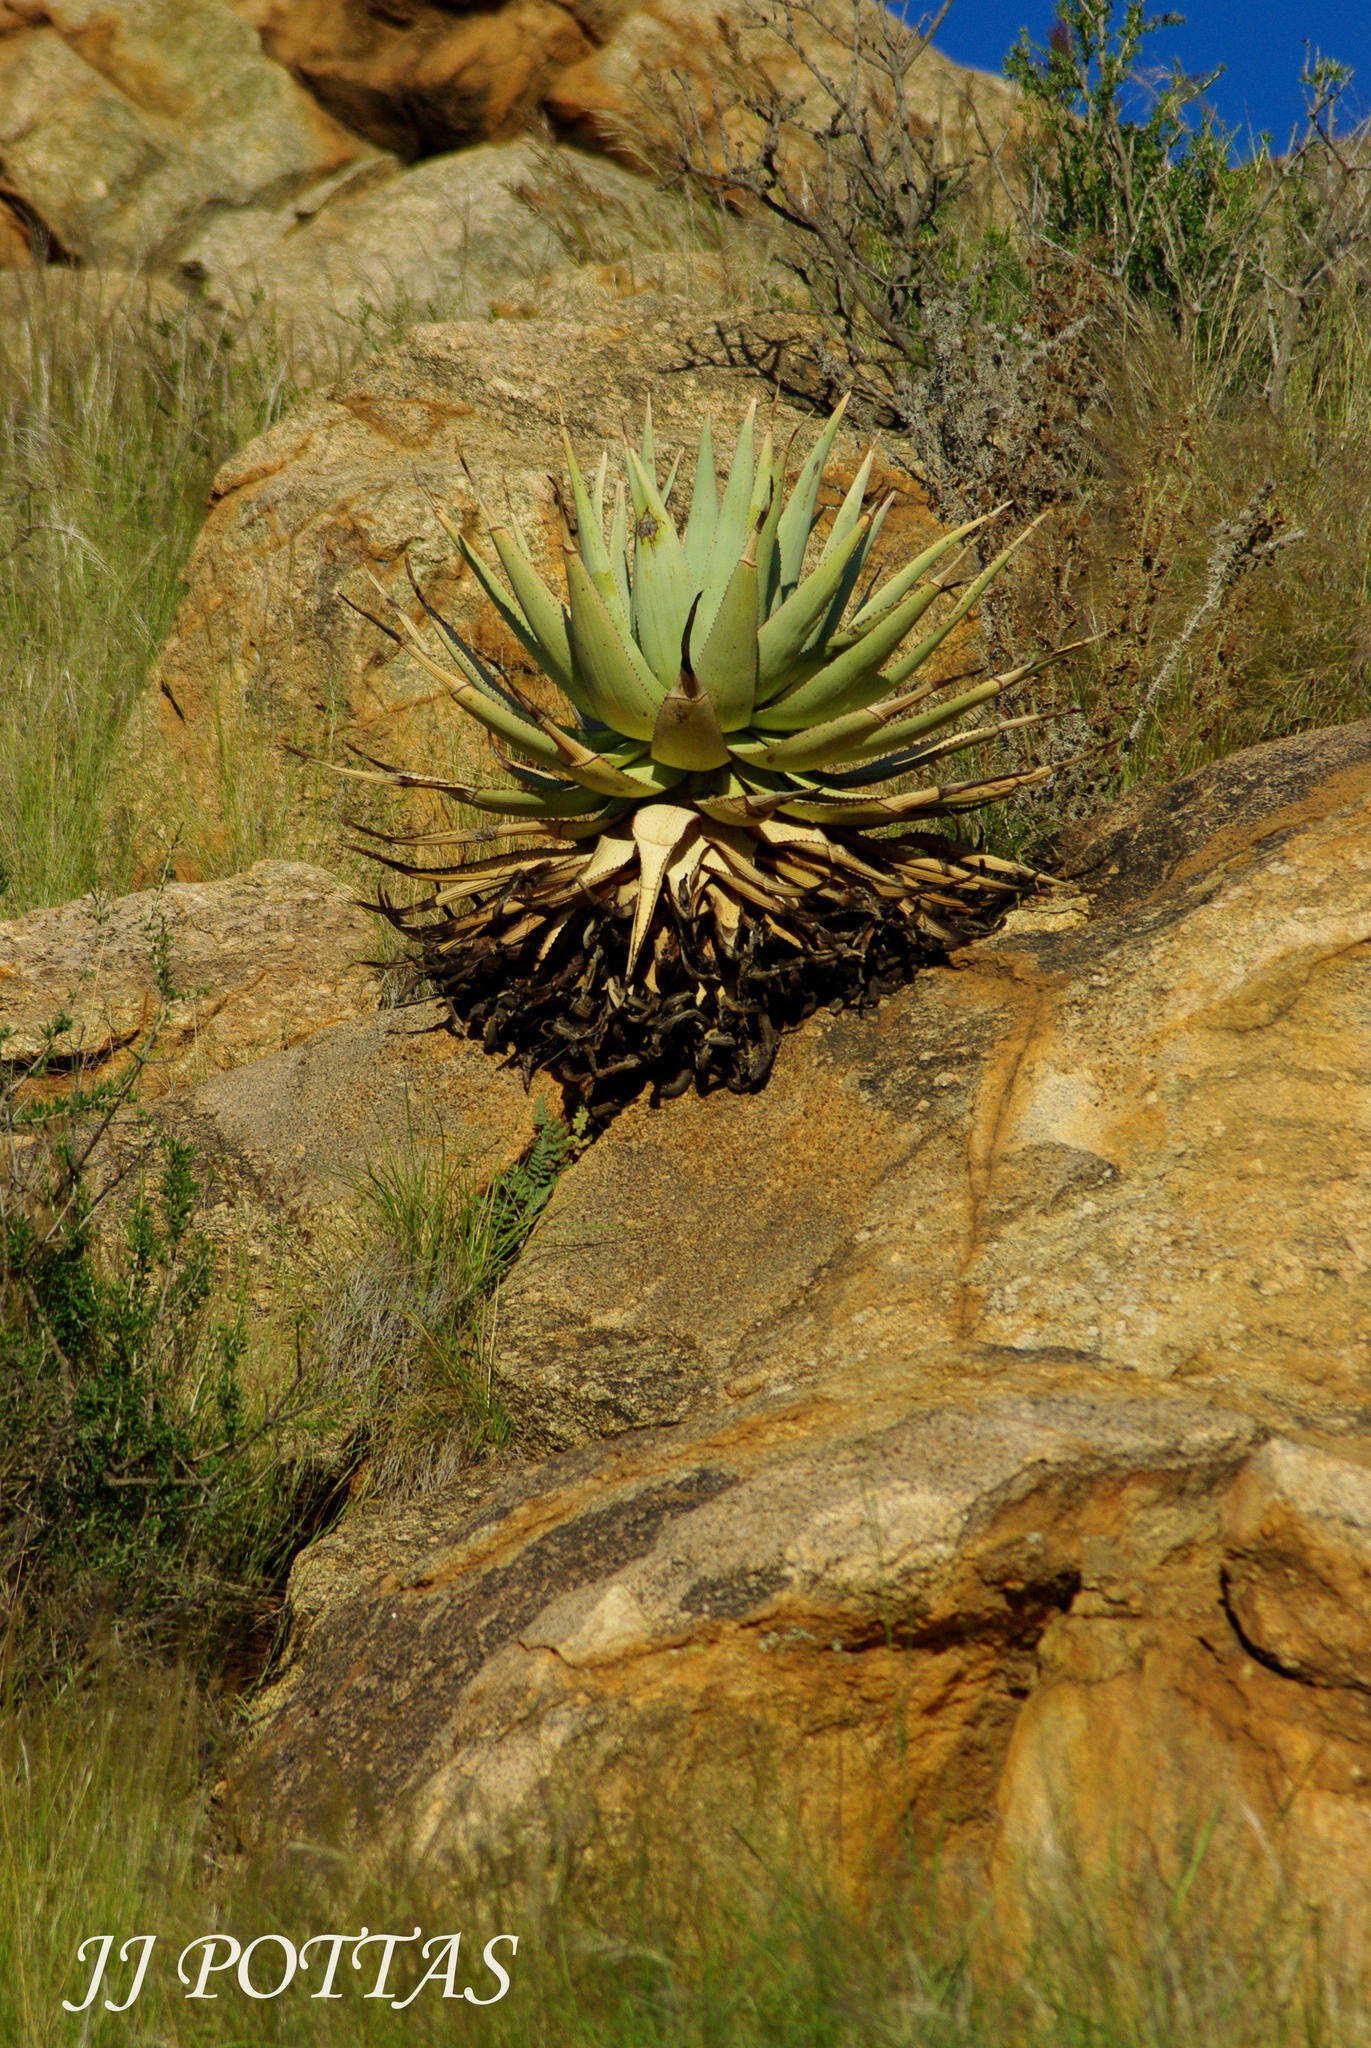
[[423, 79], [189, 979], [125, 124], [1127, 1138], [922, 1480], [16, 244]]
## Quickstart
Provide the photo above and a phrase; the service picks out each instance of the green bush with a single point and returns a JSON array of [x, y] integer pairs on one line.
[[136, 1496], [1157, 204], [1119, 322]]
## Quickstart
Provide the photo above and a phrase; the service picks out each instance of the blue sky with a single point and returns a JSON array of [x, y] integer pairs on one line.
[[1260, 41]]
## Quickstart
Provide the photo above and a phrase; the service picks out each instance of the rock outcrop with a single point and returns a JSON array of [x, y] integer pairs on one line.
[[1125, 1137], [246, 1019], [423, 78], [283, 1146], [142, 137], [157, 139], [450, 238], [238, 148], [342, 490], [970, 1431]]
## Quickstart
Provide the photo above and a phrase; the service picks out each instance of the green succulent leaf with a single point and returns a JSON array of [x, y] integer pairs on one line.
[[727, 663], [733, 524], [975, 590], [663, 588], [687, 733], [914, 572], [781, 638], [607, 663], [704, 509], [797, 521]]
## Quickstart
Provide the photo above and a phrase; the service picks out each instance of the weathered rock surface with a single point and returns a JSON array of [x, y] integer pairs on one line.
[[192, 978], [126, 125], [1135, 1142], [16, 241], [449, 238], [171, 135], [143, 136], [832, 1598], [342, 490], [426, 78], [251, 1018], [974, 1502]]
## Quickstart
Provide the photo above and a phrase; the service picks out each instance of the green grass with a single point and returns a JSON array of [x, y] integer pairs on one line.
[[1209, 647], [405, 1337], [106, 1826], [157, 1474], [114, 415], [148, 1494]]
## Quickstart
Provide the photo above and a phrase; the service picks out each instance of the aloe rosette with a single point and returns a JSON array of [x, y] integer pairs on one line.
[[707, 845]]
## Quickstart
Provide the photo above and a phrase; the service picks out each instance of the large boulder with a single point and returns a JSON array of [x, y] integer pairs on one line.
[[1008, 1476], [140, 137], [425, 77], [309, 1121], [286, 1145], [270, 640], [454, 237]]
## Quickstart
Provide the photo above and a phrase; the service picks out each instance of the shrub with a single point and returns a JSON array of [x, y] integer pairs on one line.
[[1167, 346], [1156, 205], [134, 1496]]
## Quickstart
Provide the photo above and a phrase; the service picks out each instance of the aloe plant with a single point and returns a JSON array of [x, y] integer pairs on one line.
[[706, 859]]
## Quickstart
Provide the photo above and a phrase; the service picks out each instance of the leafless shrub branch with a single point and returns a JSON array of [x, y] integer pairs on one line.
[[875, 205]]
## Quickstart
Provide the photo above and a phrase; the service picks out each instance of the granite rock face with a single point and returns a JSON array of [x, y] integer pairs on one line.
[[435, 74], [920, 1478], [299, 1130], [137, 136], [245, 1019], [380, 246], [236, 146], [1128, 1135], [422, 78]]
